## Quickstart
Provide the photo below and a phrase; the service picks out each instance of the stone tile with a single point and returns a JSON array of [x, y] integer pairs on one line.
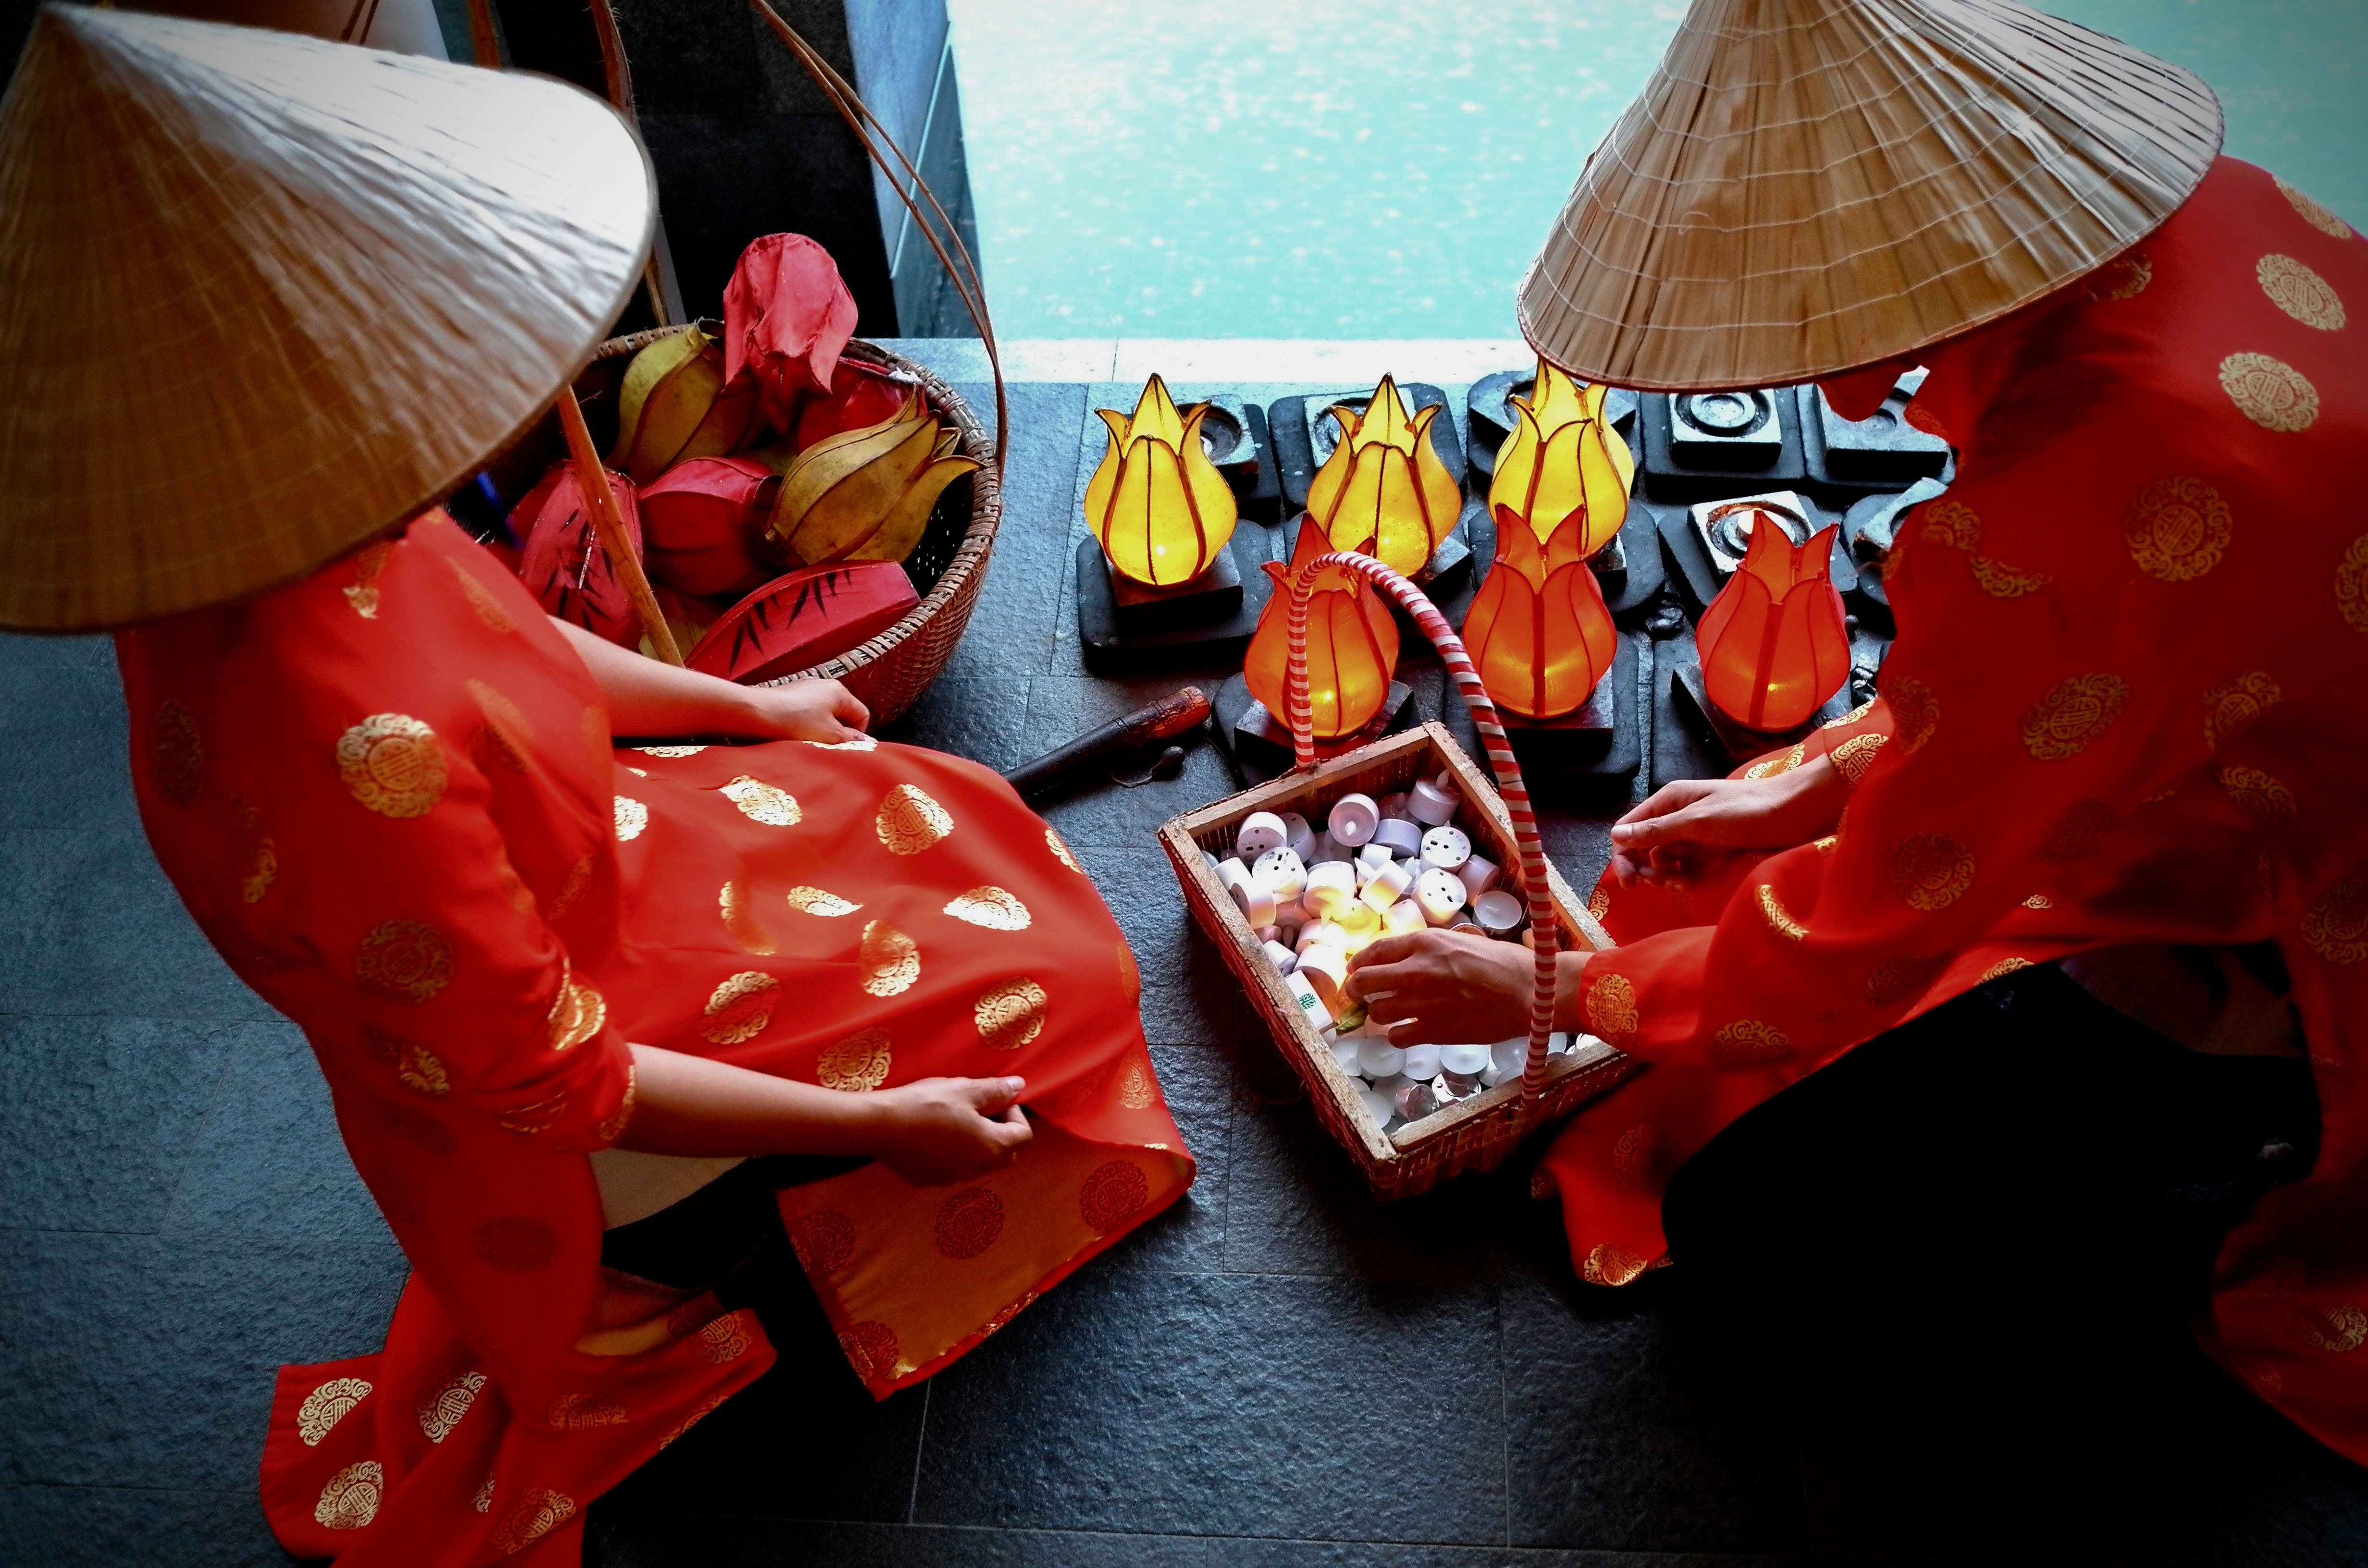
[[1024, 358], [94, 651], [1190, 1235], [146, 1360], [95, 1116], [121, 1527], [1624, 1434], [268, 1159], [1221, 1404], [1188, 995], [1088, 808], [1236, 1553], [1011, 628], [62, 726], [979, 719], [621, 1542]]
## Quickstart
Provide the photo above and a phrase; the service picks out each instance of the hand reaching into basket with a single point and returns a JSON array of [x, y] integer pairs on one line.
[[1688, 826], [1433, 986], [646, 698]]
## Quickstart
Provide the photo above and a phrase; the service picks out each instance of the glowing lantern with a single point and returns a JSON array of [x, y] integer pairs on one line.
[[1157, 505], [1773, 645], [1352, 643], [1384, 484], [1538, 631], [1562, 458]]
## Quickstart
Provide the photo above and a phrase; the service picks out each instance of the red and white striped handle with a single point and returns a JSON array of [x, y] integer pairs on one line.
[[1544, 933]]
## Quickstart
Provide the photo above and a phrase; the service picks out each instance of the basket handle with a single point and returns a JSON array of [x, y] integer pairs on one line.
[[1545, 936]]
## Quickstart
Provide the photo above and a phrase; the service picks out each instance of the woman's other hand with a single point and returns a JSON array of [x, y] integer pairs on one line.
[[809, 710], [648, 698], [940, 1130], [1437, 987], [1687, 826]]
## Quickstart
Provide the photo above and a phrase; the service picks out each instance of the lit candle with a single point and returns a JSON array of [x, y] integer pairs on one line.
[[1331, 887], [1319, 932], [1325, 969], [1404, 918], [1389, 884], [1361, 921]]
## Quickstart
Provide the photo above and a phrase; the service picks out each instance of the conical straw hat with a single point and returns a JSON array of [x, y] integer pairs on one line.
[[263, 295], [1809, 186]]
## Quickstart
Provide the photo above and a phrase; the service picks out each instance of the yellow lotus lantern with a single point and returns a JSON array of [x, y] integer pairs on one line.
[[1384, 483], [1562, 459], [1158, 507], [866, 495]]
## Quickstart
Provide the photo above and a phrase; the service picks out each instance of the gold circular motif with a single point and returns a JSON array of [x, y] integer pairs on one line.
[[1852, 717], [871, 1349], [891, 960], [2336, 925], [539, 1116], [2176, 528], [1112, 1195], [814, 901], [1896, 979], [1609, 1264], [252, 850], [2080, 830], [2318, 216], [759, 801], [824, 1241], [350, 1499], [968, 1224], [1774, 913], [740, 922], [740, 1007], [582, 1412], [441, 1410], [1610, 1008], [2339, 1329], [1915, 711], [327, 1405], [2001, 968], [2234, 705], [1632, 1156], [857, 1064], [577, 1013], [990, 908], [2270, 392], [2123, 279], [909, 821], [1010, 1015], [1856, 755], [1951, 523], [1747, 1042], [507, 735], [405, 959], [2267, 803], [176, 754], [1931, 871], [393, 763], [726, 1339], [2300, 292], [419, 1069], [1136, 1087], [2072, 715], [669, 751], [2351, 585], [2001, 581], [1599, 903], [1060, 852], [538, 1512], [632, 818], [1769, 766], [612, 1126]]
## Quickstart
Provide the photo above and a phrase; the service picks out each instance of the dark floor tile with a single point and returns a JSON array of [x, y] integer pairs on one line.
[[268, 1158], [95, 1116], [981, 718], [1011, 628], [1237, 1553], [1189, 1234], [62, 727], [1128, 1399], [1627, 1433], [147, 1360], [622, 1542], [1188, 995], [95, 650], [1091, 809], [1678, 752], [134, 1527]]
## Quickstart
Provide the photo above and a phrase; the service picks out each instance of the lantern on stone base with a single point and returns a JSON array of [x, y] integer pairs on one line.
[[1774, 644], [1161, 516], [1352, 648]]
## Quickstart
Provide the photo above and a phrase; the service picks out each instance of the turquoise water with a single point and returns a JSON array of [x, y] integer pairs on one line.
[[1316, 168]]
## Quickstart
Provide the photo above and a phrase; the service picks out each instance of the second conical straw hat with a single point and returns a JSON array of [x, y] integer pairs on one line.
[[1807, 186], [263, 295]]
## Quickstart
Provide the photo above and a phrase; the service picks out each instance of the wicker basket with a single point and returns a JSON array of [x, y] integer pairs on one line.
[[949, 566], [1471, 1135]]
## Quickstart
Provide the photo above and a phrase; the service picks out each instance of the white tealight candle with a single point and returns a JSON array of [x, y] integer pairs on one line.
[[1379, 1058], [1446, 848], [1344, 1051], [1354, 819], [1283, 958], [1257, 904], [1441, 896], [1389, 884], [1393, 804], [1281, 872], [1499, 913], [1377, 1105], [1233, 874], [1404, 918], [1331, 886], [1271, 933], [1416, 1101], [1509, 1056], [1422, 1062], [1317, 933], [1289, 911], [1467, 1059], [1399, 836], [1311, 1000], [1259, 832], [1298, 838], [1478, 875], [1431, 805], [1374, 856], [1325, 967], [1360, 922]]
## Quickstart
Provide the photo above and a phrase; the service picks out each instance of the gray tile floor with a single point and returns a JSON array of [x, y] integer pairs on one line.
[[1277, 1372]]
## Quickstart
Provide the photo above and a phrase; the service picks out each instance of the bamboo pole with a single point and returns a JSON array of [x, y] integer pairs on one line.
[[611, 524]]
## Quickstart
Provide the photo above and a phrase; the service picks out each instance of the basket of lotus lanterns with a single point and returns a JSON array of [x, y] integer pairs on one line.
[[1294, 877], [803, 503]]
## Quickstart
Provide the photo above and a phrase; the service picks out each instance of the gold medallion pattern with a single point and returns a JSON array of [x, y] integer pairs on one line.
[[2267, 803], [577, 1014], [540, 1511], [176, 754], [1773, 912], [1610, 1008], [2001, 968], [405, 959], [541, 1116], [350, 1499], [2232, 707], [871, 1349], [990, 907], [968, 1224], [741, 923], [1632, 1156], [2339, 1329], [369, 561], [2123, 279], [1060, 849], [855, 1065], [814, 901], [824, 1241], [2078, 832], [327, 1405], [2300, 292], [2270, 392], [252, 850], [2039, 900], [1931, 871], [1609, 1264], [2072, 715], [1136, 1087], [571, 887], [1852, 717], [507, 735], [612, 1128], [1896, 979], [1951, 523], [1915, 711], [1747, 1042], [1768, 767], [440, 1411], [1598, 903], [484, 1497], [2336, 925], [1130, 977], [726, 1339], [632, 818], [2351, 585], [481, 598], [2176, 528], [669, 751], [2001, 581], [1010, 1015], [421, 1070], [1112, 1195], [1856, 755], [582, 1412], [2313, 213], [740, 1007], [759, 801], [393, 763], [909, 821], [891, 960]]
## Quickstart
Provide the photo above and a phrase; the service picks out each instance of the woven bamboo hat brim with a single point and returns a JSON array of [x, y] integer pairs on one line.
[[262, 296], [1809, 186]]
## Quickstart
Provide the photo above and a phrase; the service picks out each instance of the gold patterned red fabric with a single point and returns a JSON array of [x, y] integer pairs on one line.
[[388, 794], [2126, 704]]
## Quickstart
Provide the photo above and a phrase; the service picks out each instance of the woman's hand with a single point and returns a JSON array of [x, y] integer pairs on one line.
[[1687, 826], [1441, 987], [940, 1130], [807, 710], [648, 698]]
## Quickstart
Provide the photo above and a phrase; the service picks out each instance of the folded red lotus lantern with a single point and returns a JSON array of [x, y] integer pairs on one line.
[[797, 621], [1773, 645], [700, 523], [860, 395], [562, 563], [787, 315], [1538, 631], [1352, 642]]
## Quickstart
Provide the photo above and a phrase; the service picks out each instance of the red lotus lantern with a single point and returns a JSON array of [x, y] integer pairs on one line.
[[701, 520], [1538, 631], [787, 314], [1773, 645], [562, 563], [1352, 643]]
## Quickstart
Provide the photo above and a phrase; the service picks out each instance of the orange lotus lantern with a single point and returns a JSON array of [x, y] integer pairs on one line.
[[1352, 642], [1564, 459], [1773, 645], [1158, 507], [1538, 631], [1384, 484]]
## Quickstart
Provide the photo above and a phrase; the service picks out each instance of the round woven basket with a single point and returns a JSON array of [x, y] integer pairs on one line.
[[948, 567]]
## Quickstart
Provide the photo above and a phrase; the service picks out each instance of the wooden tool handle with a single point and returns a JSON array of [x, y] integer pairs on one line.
[[611, 524]]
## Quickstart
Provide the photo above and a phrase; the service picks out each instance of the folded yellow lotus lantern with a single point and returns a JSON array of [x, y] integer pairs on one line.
[[1156, 505], [1564, 459], [675, 405], [866, 495], [1384, 483]]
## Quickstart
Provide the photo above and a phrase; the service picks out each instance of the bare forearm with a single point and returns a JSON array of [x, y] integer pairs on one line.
[[689, 1105], [650, 698]]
